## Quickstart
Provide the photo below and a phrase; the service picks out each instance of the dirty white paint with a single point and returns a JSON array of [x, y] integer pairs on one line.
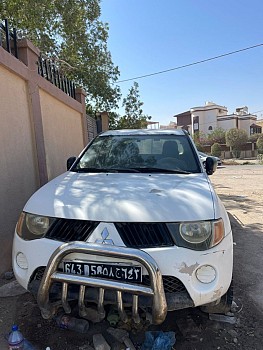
[[217, 293]]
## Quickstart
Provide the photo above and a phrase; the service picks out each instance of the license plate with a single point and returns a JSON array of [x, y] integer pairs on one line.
[[113, 272]]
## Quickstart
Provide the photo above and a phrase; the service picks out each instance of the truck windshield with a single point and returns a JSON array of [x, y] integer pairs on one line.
[[143, 153]]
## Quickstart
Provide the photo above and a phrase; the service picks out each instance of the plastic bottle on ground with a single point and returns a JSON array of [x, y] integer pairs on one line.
[[15, 339], [72, 323]]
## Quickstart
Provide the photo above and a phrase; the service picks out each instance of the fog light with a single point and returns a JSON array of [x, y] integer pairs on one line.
[[21, 261], [206, 274]]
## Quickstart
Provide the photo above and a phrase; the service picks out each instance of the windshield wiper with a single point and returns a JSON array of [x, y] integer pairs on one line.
[[106, 170], [161, 170], [130, 170], [124, 170]]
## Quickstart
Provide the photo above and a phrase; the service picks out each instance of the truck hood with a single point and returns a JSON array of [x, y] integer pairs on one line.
[[119, 197]]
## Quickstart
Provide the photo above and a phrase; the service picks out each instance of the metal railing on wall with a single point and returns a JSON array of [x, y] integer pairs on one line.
[[8, 38], [48, 69]]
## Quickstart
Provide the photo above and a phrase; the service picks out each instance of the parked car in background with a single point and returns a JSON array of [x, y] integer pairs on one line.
[[203, 157], [134, 222]]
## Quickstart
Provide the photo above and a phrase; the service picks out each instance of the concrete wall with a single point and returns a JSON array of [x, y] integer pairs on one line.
[[62, 127], [235, 121], [18, 175], [245, 123], [227, 123], [207, 118], [41, 127]]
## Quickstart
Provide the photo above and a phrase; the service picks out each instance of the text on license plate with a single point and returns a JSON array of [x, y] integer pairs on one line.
[[115, 272]]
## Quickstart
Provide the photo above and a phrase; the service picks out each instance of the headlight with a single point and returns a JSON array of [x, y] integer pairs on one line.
[[31, 226], [195, 232], [198, 235], [38, 225]]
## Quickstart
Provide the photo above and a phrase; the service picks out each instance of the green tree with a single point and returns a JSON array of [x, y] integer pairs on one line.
[[260, 144], [71, 33], [113, 120], [199, 146], [218, 135], [200, 137], [253, 137], [235, 139], [134, 117], [216, 150]]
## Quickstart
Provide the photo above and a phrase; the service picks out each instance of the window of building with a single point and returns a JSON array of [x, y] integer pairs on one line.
[[255, 129], [210, 128], [196, 123]]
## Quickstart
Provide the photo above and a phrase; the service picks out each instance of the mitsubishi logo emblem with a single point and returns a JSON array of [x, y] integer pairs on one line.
[[104, 235]]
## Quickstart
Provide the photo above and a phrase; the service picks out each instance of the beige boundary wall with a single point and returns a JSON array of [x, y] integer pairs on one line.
[[41, 127]]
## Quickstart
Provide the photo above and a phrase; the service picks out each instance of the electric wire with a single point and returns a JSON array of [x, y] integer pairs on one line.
[[191, 64]]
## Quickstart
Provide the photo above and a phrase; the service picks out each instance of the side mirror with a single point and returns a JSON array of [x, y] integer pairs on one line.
[[211, 165], [70, 162]]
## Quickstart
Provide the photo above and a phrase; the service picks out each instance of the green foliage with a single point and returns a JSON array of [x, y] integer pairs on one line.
[[113, 120], [254, 137], [200, 138], [218, 135], [134, 117], [71, 33], [199, 146], [216, 150], [260, 144], [236, 138]]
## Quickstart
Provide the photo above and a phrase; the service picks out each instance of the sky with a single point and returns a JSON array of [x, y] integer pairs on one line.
[[148, 36]]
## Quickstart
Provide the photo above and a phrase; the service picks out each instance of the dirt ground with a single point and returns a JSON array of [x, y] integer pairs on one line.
[[240, 187]]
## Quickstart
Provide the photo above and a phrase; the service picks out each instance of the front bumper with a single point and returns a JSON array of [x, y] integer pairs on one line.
[[155, 291], [178, 263]]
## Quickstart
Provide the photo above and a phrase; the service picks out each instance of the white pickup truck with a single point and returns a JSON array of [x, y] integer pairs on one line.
[[134, 222]]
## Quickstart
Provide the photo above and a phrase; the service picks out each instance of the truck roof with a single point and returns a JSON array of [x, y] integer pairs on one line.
[[125, 132]]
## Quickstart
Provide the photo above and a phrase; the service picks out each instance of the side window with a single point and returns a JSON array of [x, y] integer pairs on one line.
[[186, 154]]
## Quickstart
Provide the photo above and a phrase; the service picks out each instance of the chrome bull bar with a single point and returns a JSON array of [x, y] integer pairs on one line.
[[156, 290]]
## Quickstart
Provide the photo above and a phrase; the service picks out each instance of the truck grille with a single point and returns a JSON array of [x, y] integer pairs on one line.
[[171, 284], [134, 235], [144, 235], [68, 230]]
